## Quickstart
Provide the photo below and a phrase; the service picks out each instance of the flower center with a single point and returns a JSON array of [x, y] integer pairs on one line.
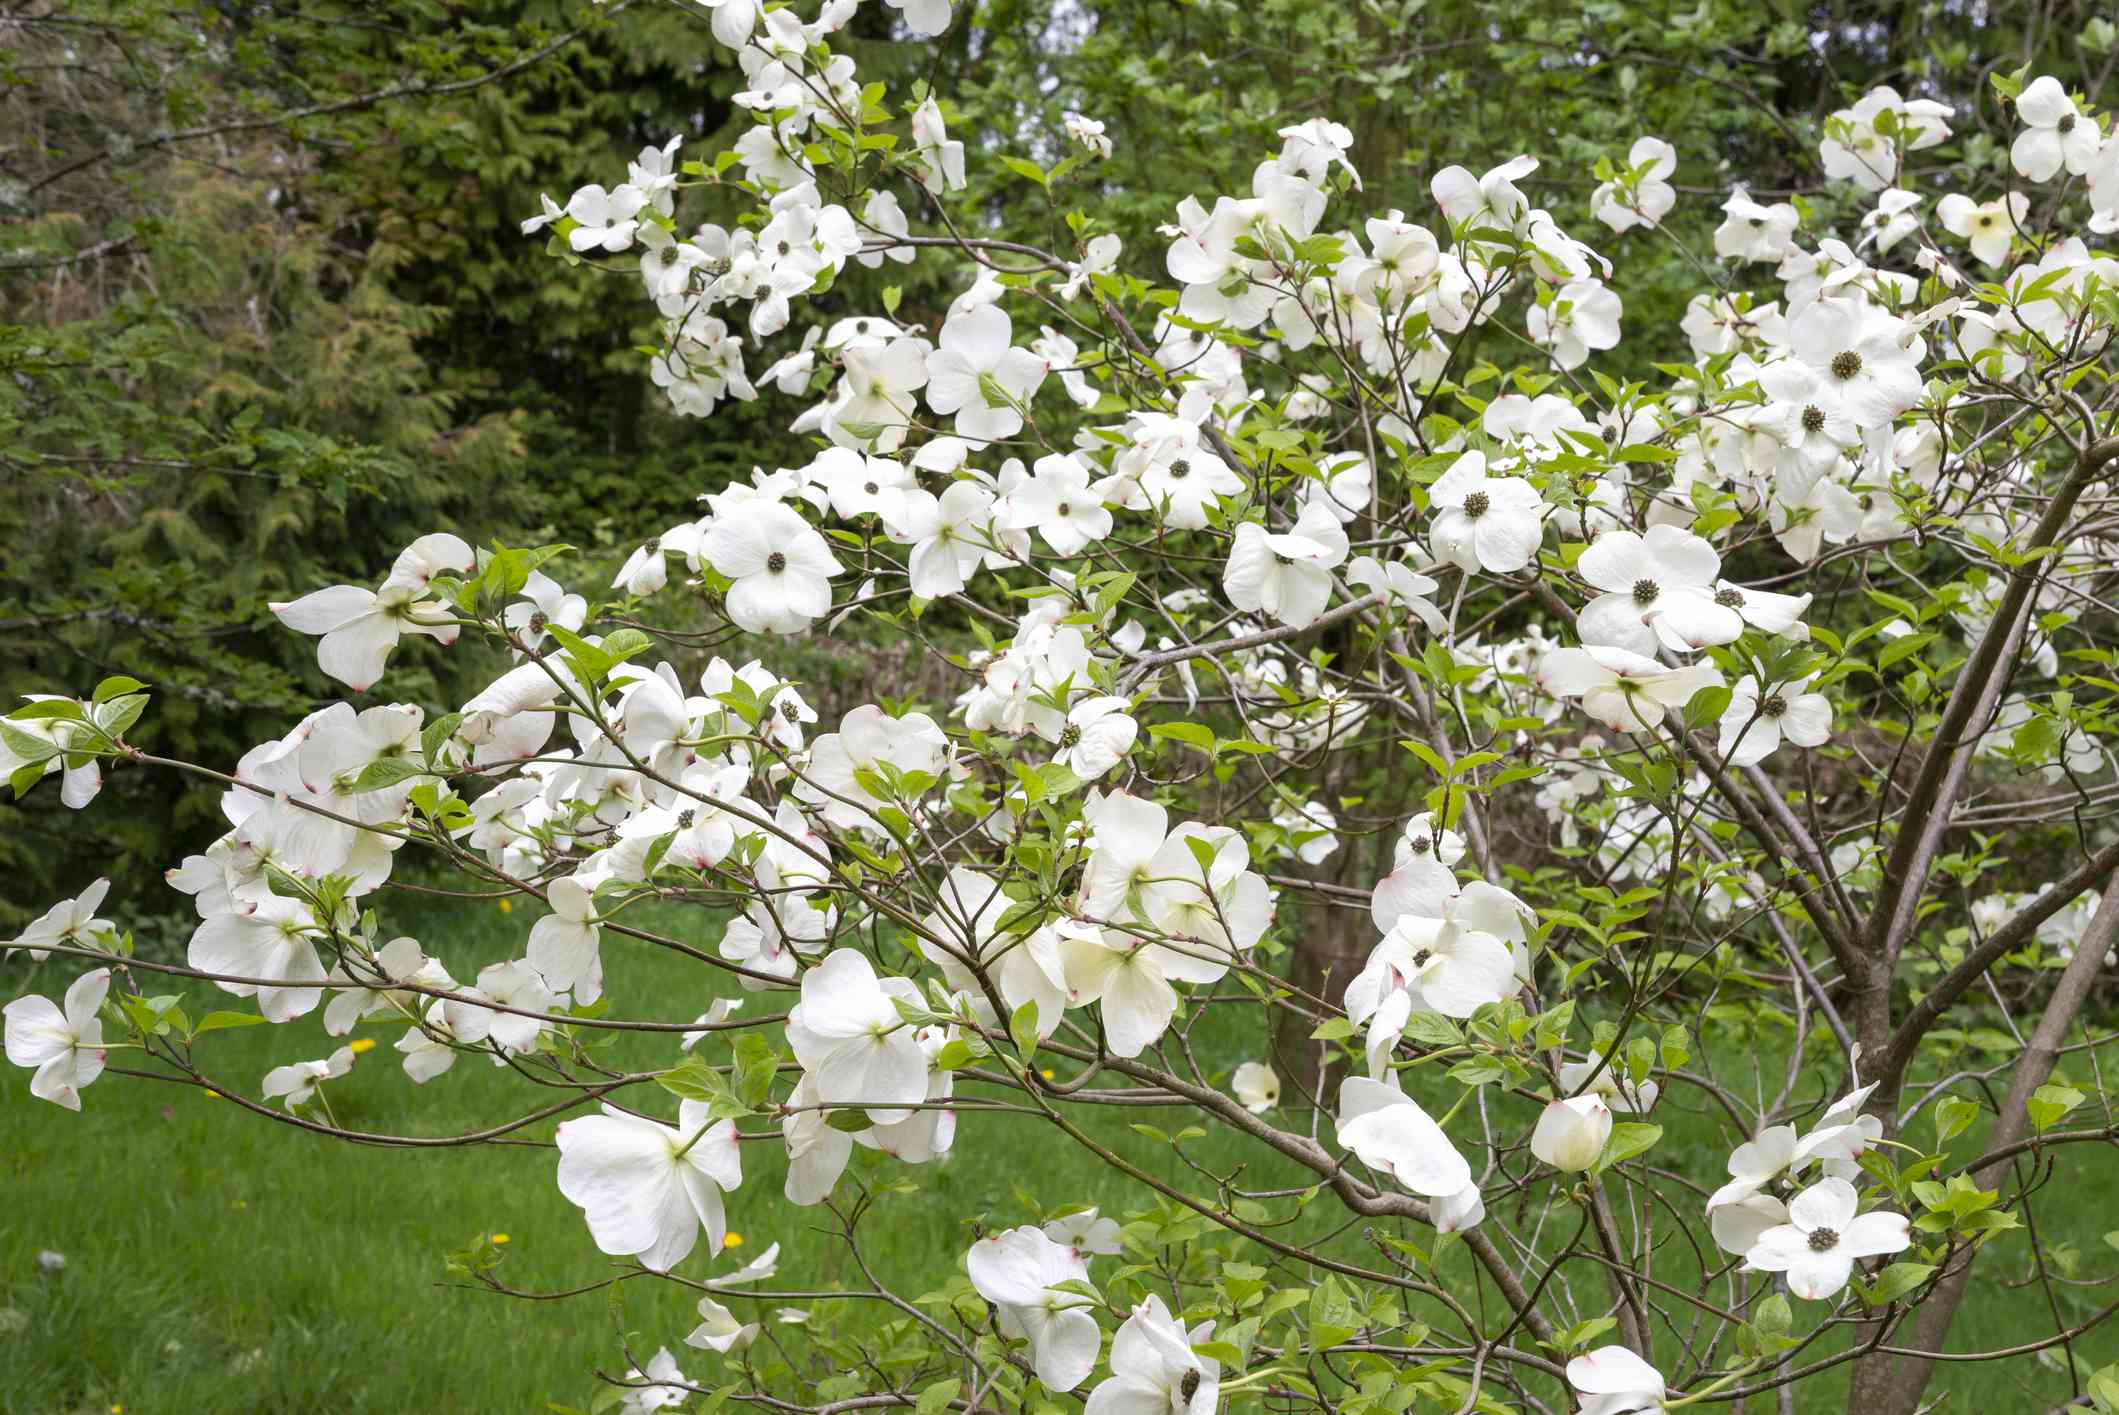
[[669, 255], [654, 546], [1477, 504], [871, 488], [1729, 599], [785, 248], [1645, 591], [1774, 706], [1420, 844], [1420, 958], [685, 819], [1069, 736], [1846, 364], [1814, 418], [776, 562], [2066, 124], [1188, 1387], [1180, 469], [538, 621], [1823, 1240], [1065, 509]]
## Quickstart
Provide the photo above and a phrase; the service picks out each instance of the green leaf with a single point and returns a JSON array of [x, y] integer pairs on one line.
[[1333, 1317], [1895, 1282], [625, 643], [1953, 1116], [590, 662], [440, 730], [23, 745], [1581, 1334], [1189, 733], [225, 1022], [47, 709], [1429, 755], [2050, 1102], [1433, 1029], [756, 1065], [1022, 1030], [117, 716], [693, 1080], [386, 772], [1627, 1140], [1706, 707], [1023, 168]]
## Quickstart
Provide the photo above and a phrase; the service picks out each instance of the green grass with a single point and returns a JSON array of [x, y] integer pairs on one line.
[[216, 1262]]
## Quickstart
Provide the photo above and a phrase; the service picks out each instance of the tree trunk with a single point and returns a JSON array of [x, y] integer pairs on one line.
[[1327, 954]]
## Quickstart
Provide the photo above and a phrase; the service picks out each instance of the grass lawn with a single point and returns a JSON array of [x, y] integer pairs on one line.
[[216, 1262]]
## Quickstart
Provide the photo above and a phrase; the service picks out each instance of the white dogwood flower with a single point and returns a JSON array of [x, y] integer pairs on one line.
[[1019, 1272], [780, 567], [564, 944], [1155, 1371], [1658, 587], [1285, 575], [924, 19], [647, 1188], [1756, 721], [61, 1045], [1582, 318], [71, 923], [1988, 227], [980, 376], [1612, 1380], [1484, 522], [848, 1035], [1098, 734], [296, 1084], [1256, 1085], [719, 1330], [1645, 197], [1390, 1133], [1626, 691], [359, 628], [1571, 1132], [269, 941], [1823, 1236], [2055, 133]]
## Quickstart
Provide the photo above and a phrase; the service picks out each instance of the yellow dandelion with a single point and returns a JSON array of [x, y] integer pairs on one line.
[[361, 1045], [506, 907], [733, 1240], [499, 1238]]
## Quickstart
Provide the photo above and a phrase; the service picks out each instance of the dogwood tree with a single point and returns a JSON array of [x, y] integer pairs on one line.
[[1301, 576]]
